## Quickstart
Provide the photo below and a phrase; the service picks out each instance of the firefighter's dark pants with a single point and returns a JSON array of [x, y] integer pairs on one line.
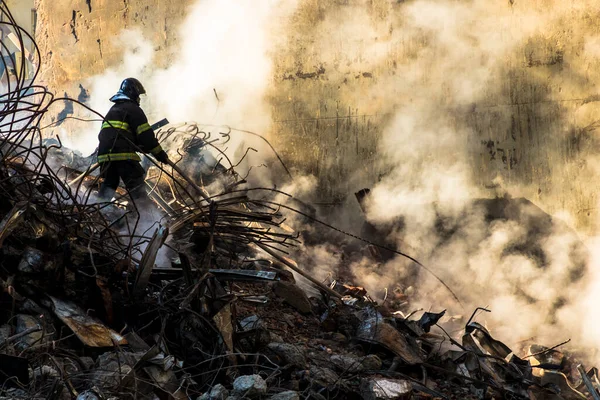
[[132, 174]]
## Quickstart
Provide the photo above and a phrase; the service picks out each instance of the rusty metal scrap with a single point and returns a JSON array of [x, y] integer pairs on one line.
[[243, 275], [148, 259], [589, 385], [374, 329], [90, 331], [11, 220]]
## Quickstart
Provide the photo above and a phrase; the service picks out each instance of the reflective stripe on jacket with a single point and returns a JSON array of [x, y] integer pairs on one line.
[[118, 157], [124, 132]]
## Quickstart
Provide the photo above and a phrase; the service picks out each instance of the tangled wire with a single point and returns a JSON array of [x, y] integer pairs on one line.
[[30, 180]]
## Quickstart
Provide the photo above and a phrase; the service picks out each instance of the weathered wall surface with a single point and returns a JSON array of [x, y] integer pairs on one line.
[[336, 89], [532, 125], [75, 36]]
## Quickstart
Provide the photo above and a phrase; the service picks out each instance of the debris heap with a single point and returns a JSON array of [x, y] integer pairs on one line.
[[206, 304]]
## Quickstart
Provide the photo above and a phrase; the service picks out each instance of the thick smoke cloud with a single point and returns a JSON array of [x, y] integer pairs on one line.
[[219, 75], [526, 268], [445, 76]]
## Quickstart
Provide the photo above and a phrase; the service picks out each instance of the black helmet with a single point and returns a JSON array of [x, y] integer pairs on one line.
[[131, 88]]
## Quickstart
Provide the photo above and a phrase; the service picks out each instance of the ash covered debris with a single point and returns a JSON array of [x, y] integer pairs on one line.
[[90, 310]]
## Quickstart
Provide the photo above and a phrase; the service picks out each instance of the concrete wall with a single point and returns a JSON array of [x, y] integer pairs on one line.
[[533, 126], [75, 35]]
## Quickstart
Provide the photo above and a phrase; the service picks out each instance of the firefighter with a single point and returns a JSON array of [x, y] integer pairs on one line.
[[125, 131]]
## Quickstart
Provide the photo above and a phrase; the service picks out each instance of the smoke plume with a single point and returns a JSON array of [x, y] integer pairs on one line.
[[219, 75], [451, 76], [469, 100]]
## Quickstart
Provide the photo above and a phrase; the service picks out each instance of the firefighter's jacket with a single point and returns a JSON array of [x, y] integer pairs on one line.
[[125, 127]]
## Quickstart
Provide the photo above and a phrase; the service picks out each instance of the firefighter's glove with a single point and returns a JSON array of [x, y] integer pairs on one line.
[[162, 157]]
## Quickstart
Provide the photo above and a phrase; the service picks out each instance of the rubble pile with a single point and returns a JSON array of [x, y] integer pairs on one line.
[[221, 325], [208, 304]]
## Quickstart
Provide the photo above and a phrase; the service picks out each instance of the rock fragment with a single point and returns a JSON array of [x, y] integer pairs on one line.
[[218, 392], [293, 295], [354, 364], [24, 323], [289, 353], [383, 388], [287, 395], [249, 386]]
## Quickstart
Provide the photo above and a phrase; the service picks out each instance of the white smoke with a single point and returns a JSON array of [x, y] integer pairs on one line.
[[446, 56], [219, 74]]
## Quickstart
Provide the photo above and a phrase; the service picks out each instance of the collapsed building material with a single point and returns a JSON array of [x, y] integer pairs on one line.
[[148, 259], [382, 388], [589, 385], [11, 220], [90, 332], [91, 308]]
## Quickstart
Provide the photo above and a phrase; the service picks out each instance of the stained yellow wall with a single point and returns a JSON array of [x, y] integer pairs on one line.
[[531, 128]]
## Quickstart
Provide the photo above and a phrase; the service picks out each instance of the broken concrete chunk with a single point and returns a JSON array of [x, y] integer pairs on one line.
[[354, 364], [113, 377], [275, 338], [289, 353], [25, 323], [251, 322], [33, 261], [323, 376], [165, 362], [293, 295], [287, 395], [89, 395], [383, 388], [218, 392], [250, 386]]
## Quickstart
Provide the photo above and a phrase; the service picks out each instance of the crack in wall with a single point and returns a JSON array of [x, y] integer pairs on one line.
[[100, 47], [73, 22], [89, 4]]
